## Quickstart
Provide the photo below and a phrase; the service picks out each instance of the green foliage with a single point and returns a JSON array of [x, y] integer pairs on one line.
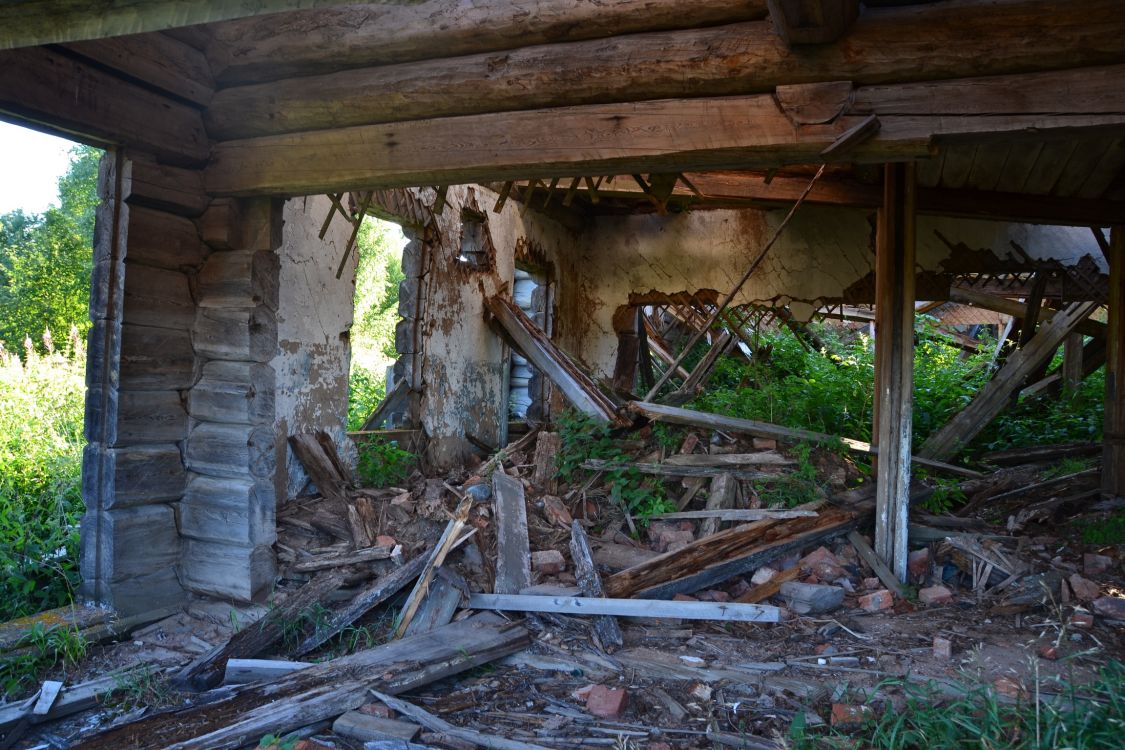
[[1103, 531], [1087, 717], [585, 438], [273, 742], [41, 410], [793, 488], [383, 464], [142, 687], [1073, 416], [366, 391], [45, 260], [947, 495], [42, 649], [1065, 467]]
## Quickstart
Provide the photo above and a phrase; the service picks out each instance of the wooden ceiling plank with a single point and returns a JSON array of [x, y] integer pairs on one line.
[[928, 171], [1107, 170], [30, 23], [1021, 160], [987, 167], [155, 59], [1085, 158], [958, 164], [1048, 166]]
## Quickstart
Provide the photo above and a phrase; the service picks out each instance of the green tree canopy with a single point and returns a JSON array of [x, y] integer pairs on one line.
[[46, 259]]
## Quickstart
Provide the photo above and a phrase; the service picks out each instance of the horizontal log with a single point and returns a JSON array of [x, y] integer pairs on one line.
[[227, 570], [240, 278], [137, 475], [33, 22], [234, 392], [231, 450], [315, 42], [719, 460], [671, 470], [66, 95], [164, 240], [241, 335], [239, 511], [156, 359], [150, 417], [132, 542], [737, 59], [570, 605], [165, 188], [667, 135], [157, 59], [158, 297]]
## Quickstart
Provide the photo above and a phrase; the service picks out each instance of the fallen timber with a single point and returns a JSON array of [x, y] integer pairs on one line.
[[676, 415], [242, 716]]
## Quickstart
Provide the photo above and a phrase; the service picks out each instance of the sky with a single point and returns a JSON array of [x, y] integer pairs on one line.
[[31, 164]]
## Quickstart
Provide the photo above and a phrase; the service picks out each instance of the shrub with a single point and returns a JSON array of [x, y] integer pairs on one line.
[[383, 464], [41, 412]]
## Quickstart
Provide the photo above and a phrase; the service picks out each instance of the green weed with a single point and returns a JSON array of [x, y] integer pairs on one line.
[[383, 464], [1103, 531], [140, 688], [792, 488], [947, 495], [40, 650], [1065, 467]]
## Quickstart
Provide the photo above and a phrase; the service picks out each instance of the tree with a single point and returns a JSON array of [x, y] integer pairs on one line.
[[46, 259]]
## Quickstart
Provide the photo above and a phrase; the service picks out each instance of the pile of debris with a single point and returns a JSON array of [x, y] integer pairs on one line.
[[718, 622]]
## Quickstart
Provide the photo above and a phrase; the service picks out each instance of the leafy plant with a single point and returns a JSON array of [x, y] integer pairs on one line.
[[140, 688], [383, 464], [41, 649], [793, 488], [1103, 531], [272, 742], [946, 496], [1066, 466]]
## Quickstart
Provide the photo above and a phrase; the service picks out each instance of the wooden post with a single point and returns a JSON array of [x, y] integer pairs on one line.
[[1113, 457], [1072, 361], [894, 363]]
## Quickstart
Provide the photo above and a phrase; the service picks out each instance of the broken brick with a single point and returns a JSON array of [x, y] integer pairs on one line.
[[383, 540], [377, 709], [1084, 589], [1111, 607], [872, 583], [846, 715], [1095, 565], [555, 511], [548, 561], [684, 598], [1081, 619], [877, 600], [737, 588], [765, 444], [1049, 652], [918, 564], [606, 702], [943, 648], [713, 595], [668, 538], [934, 595]]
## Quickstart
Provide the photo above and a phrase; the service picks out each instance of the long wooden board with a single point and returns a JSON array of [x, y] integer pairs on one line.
[[573, 605]]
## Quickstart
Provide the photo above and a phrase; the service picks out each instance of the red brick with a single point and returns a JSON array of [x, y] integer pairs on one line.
[[918, 565], [684, 598], [1082, 619], [1048, 652], [377, 709], [385, 541], [714, 595], [823, 564], [1084, 589], [934, 595], [555, 511], [943, 648], [877, 600], [1095, 565], [871, 583], [548, 561], [846, 715], [606, 702]]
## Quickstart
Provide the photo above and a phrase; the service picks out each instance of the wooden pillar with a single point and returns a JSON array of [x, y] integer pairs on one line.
[[894, 363], [1072, 365], [1113, 457]]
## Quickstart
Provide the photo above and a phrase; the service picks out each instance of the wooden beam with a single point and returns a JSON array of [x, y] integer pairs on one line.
[[801, 22], [573, 605], [315, 42], [29, 23], [894, 363], [51, 90], [1113, 455], [655, 136], [991, 400], [1006, 306], [157, 60]]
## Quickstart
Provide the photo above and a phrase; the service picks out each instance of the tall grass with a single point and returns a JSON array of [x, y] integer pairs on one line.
[[41, 412]]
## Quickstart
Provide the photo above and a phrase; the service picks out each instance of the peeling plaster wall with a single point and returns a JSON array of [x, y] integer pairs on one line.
[[463, 382], [824, 252], [314, 317]]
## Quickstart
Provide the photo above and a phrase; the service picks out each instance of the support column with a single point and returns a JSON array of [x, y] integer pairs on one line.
[[894, 363], [1072, 365], [1113, 456]]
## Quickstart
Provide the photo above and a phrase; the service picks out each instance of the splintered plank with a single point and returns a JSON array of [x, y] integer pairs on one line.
[[445, 545], [591, 584], [321, 467], [576, 385], [513, 550], [723, 493], [574, 605], [716, 558], [321, 692], [207, 671]]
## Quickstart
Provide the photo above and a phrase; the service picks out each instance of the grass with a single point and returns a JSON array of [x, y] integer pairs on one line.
[[41, 413], [40, 650], [1082, 717], [1103, 532]]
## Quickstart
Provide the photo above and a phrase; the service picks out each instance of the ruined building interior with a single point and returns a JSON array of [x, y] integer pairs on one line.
[[585, 163]]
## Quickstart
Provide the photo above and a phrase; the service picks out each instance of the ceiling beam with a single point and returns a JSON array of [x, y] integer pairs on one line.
[[801, 22], [890, 47], [661, 136], [316, 42], [30, 23]]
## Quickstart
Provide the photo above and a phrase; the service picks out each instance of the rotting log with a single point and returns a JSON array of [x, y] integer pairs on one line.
[[323, 691], [322, 41], [894, 363], [690, 418], [995, 395], [668, 135], [736, 59]]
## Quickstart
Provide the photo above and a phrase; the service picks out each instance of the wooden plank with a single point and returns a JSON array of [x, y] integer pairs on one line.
[[692, 418], [1072, 373], [666, 470], [207, 671], [440, 604], [720, 497], [590, 583], [770, 588], [165, 188], [246, 671], [48, 694], [318, 693], [393, 402], [732, 514], [720, 460], [316, 42], [445, 544], [894, 363], [580, 606], [995, 395], [433, 723], [1113, 456], [156, 59], [863, 549], [1037, 453], [74, 616], [321, 469], [366, 600], [1018, 309], [75, 698], [578, 388], [48, 88], [322, 562], [366, 728], [33, 22], [513, 551]]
